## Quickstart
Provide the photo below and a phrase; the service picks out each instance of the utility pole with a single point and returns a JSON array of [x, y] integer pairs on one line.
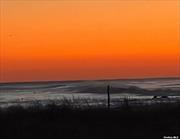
[[108, 95]]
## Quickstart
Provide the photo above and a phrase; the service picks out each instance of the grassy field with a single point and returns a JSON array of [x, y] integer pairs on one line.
[[65, 121]]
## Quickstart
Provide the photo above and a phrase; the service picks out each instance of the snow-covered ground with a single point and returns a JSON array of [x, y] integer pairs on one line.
[[44, 92]]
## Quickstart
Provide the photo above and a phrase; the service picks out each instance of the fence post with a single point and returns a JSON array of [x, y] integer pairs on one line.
[[108, 95]]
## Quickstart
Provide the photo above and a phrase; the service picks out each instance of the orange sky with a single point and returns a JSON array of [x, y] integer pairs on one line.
[[74, 39]]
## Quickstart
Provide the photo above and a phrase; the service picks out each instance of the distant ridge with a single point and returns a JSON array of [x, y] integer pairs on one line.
[[65, 81]]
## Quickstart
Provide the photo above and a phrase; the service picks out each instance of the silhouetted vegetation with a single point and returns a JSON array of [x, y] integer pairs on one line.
[[66, 121]]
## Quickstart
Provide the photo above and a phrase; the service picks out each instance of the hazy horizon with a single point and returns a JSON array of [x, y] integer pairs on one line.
[[104, 79]]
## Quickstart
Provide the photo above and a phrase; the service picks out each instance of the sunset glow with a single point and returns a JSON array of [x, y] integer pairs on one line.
[[72, 40]]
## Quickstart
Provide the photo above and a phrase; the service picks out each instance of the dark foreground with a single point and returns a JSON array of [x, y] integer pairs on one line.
[[147, 122]]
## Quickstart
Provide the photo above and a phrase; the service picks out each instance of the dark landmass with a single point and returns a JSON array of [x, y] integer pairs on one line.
[[72, 81], [65, 121]]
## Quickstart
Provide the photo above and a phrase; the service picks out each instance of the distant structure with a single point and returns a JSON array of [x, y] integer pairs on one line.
[[160, 97], [154, 97]]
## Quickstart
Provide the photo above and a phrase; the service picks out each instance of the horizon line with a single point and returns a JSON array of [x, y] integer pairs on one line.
[[81, 80]]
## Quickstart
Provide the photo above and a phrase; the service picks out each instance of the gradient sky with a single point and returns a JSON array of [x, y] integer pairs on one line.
[[75, 39]]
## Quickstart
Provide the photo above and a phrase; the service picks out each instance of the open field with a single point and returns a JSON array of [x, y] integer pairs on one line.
[[146, 108], [138, 90]]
